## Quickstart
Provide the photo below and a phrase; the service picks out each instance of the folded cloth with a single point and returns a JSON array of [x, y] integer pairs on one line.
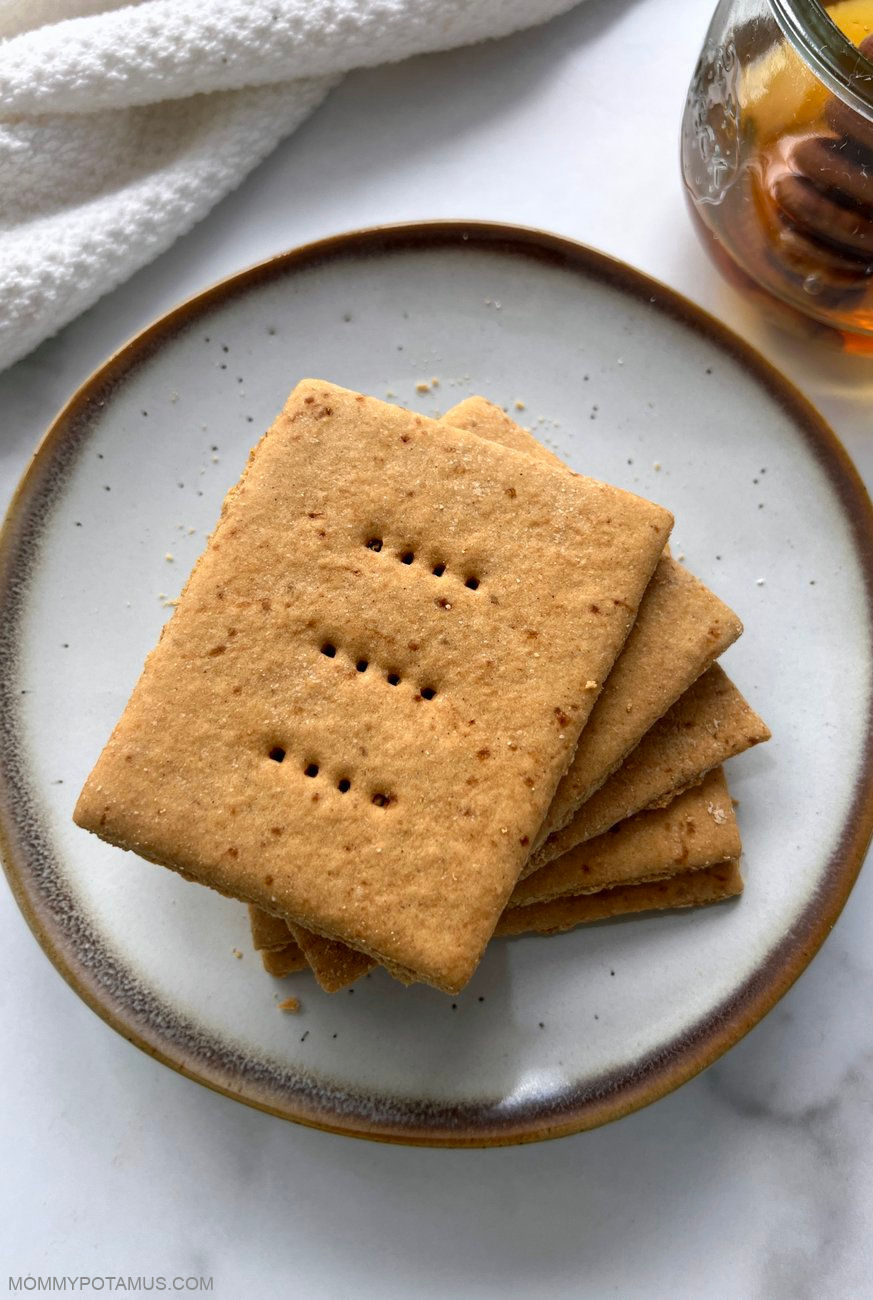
[[121, 124]]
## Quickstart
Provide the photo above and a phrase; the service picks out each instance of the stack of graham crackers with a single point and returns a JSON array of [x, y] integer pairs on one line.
[[426, 686]]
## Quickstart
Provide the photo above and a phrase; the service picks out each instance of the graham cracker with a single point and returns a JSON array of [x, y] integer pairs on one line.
[[280, 962], [268, 932], [710, 723], [707, 725], [718, 706], [333, 964], [687, 889], [698, 829], [680, 629], [478, 415], [358, 714]]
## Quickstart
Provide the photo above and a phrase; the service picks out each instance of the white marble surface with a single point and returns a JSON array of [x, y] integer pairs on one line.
[[755, 1179]]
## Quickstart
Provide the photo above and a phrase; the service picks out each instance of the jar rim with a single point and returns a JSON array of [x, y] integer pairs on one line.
[[835, 60]]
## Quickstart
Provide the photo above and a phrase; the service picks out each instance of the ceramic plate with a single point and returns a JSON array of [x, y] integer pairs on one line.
[[627, 382]]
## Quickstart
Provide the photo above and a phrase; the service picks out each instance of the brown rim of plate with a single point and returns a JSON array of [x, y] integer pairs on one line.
[[305, 1098]]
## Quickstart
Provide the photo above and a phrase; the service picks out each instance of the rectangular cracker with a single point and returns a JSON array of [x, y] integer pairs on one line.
[[687, 889], [280, 962], [717, 715], [696, 830], [478, 415], [268, 932], [361, 533], [280, 953], [681, 628], [333, 964], [707, 725]]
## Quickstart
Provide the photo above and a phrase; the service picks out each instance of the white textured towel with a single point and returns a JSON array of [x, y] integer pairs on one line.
[[121, 124]]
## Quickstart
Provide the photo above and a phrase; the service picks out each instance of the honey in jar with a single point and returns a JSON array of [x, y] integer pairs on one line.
[[777, 153]]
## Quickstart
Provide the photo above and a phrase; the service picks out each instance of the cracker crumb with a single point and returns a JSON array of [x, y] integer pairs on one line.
[[169, 557], [390, 393], [422, 386], [290, 1006], [434, 383], [656, 465], [519, 404], [237, 952], [590, 686]]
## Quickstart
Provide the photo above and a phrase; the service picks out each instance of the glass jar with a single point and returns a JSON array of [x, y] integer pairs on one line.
[[777, 155]]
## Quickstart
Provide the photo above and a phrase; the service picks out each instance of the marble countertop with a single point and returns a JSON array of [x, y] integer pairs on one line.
[[754, 1179]]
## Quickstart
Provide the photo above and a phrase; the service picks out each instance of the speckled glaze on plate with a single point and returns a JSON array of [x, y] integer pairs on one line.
[[628, 382]]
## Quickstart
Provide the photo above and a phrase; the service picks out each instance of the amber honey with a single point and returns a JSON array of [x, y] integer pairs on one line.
[[779, 169]]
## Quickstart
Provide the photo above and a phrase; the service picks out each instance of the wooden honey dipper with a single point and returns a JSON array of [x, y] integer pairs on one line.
[[819, 188]]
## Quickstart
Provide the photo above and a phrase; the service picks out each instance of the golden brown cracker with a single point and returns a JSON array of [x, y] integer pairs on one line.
[[268, 932], [697, 829], [280, 962], [478, 415], [687, 889], [374, 678], [681, 628], [707, 725], [333, 964]]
